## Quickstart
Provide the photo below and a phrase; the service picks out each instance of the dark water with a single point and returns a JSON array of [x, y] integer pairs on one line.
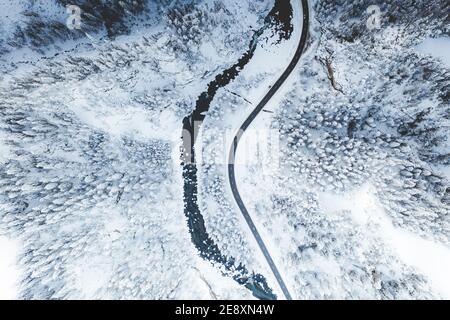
[[279, 20]]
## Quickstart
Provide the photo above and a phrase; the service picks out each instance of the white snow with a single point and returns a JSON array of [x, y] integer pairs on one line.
[[252, 84], [10, 12], [129, 239], [429, 258], [9, 272], [4, 150], [137, 245], [436, 47]]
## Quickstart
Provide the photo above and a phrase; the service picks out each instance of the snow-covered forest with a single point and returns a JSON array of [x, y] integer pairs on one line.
[[90, 131], [91, 187], [359, 206]]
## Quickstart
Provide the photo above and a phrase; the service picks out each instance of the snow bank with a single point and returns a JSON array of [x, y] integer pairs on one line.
[[437, 47], [9, 272]]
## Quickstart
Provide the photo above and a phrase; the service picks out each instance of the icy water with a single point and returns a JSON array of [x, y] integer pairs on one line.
[[279, 21]]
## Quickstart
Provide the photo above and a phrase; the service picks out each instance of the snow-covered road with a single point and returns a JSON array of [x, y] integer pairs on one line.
[[240, 133]]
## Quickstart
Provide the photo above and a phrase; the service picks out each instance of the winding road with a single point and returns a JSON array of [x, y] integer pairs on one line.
[[244, 127]]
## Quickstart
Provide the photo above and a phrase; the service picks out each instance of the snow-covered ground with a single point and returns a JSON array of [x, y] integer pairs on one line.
[[436, 47], [429, 258], [228, 112], [9, 271], [346, 172]]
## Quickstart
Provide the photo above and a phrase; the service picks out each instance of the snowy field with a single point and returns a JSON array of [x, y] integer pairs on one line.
[[436, 47]]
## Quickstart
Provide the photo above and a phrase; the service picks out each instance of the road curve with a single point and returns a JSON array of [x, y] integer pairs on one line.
[[244, 127]]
